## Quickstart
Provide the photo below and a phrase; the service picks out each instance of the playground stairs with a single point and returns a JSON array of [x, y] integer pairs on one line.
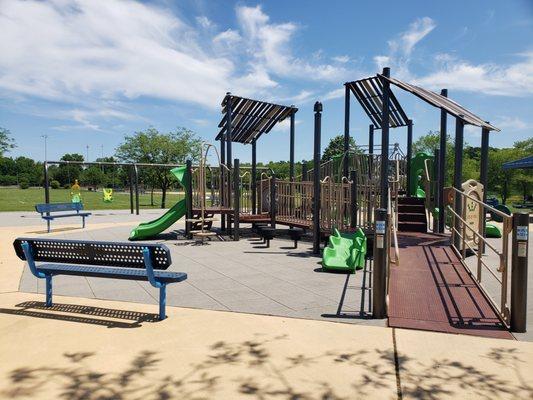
[[412, 215]]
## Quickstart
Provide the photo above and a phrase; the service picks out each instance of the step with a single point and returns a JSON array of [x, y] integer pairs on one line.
[[411, 200], [412, 217], [411, 208], [412, 227], [201, 219]]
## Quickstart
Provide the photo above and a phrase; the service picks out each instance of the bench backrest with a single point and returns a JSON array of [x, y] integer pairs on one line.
[[111, 254], [56, 207]]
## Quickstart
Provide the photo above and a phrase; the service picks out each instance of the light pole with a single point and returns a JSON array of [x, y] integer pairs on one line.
[[45, 146], [87, 147]]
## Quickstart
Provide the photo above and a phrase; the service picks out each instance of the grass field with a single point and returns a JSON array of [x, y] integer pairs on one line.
[[15, 199]]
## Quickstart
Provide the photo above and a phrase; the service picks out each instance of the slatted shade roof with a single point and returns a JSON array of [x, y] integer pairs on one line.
[[444, 103], [251, 118], [369, 93]]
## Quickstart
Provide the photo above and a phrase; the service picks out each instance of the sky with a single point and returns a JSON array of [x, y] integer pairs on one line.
[[86, 73]]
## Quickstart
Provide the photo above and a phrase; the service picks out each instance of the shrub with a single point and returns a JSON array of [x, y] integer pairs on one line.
[[55, 184], [8, 180], [66, 186], [24, 184]]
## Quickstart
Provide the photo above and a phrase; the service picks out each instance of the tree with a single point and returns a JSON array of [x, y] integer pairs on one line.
[[6, 142], [66, 174], [93, 176], [336, 147], [430, 142], [152, 146]]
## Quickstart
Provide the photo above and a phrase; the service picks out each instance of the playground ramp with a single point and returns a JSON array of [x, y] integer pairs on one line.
[[432, 290]]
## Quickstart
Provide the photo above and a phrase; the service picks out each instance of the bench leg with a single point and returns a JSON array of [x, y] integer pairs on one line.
[[83, 222], [48, 225], [48, 279], [267, 243], [162, 302]]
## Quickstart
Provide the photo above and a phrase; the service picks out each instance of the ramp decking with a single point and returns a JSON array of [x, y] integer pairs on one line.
[[431, 290]]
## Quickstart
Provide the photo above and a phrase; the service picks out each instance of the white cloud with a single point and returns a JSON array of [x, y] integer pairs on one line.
[[229, 37], [269, 45], [510, 123], [205, 22], [505, 80], [341, 59], [401, 47], [334, 94]]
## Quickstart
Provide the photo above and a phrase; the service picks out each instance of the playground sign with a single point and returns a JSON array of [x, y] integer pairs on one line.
[[380, 227], [472, 212]]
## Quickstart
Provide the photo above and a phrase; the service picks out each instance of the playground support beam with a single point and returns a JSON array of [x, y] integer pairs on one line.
[[520, 249], [353, 199], [222, 173], [273, 201], [458, 174], [131, 189], [483, 175], [385, 139], [229, 139], [46, 184], [304, 171], [371, 139], [346, 129], [316, 178], [291, 155], [409, 154], [237, 199], [434, 190], [188, 199], [136, 173], [254, 177], [442, 163], [379, 268]]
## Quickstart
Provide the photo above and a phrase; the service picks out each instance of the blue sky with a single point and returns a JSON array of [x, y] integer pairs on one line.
[[90, 72]]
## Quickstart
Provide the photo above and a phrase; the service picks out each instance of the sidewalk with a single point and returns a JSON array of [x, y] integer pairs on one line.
[[85, 349]]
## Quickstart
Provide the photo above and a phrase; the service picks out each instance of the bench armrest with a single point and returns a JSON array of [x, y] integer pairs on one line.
[[31, 262], [150, 268]]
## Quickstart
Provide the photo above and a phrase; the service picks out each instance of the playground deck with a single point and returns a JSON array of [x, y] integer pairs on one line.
[[432, 290]]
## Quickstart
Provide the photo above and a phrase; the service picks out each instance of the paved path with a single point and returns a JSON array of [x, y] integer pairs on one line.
[[432, 290]]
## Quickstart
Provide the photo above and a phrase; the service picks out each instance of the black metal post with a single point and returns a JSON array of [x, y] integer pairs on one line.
[[237, 200], [273, 201], [131, 189], [304, 171], [409, 156], [291, 155], [136, 172], [379, 267], [254, 177], [222, 180], [434, 191], [371, 139], [316, 178], [442, 163], [458, 174], [46, 184], [483, 175], [188, 199], [346, 129], [353, 199], [229, 136], [385, 140], [519, 272]]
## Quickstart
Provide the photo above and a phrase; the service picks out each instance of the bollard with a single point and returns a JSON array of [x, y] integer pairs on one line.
[[379, 268], [520, 243]]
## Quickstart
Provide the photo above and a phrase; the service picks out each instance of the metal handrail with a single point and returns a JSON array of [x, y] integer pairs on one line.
[[460, 231], [392, 213]]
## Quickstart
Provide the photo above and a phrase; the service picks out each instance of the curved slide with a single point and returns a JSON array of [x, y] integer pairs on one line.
[[149, 229]]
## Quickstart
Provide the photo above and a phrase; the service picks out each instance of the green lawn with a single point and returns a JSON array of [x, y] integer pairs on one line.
[[14, 199]]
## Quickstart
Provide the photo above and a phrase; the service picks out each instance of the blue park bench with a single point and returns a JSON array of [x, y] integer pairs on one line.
[[48, 212], [140, 262]]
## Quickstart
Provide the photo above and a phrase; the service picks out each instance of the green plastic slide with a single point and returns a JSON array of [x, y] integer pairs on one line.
[[345, 252], [492, 231], [150, 229]]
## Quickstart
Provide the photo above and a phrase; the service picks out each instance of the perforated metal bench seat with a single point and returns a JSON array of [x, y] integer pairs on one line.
[[104, 272], [140, 262]]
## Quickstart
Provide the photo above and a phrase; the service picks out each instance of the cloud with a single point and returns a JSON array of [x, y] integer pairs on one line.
[[334, 94], [341, 59], [401, 47], [511, 123], [492, 79], [269, 46]]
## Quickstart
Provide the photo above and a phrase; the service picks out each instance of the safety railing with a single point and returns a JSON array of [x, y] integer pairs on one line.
[[468, 239], [294, 202], [428, 201]]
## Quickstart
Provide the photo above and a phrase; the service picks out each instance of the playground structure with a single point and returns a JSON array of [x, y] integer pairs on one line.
[[377, 193]]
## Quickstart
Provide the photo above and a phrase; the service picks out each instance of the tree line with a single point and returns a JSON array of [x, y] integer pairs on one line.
[[175, 147]]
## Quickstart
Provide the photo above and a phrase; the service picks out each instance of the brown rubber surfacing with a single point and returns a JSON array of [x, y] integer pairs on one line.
[[431, 290]]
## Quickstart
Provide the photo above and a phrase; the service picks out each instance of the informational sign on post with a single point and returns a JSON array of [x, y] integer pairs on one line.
[[521, 233], [380, 227]]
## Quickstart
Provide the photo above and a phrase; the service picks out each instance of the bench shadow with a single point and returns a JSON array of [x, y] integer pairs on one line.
[[66, 229], [35, 309]]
